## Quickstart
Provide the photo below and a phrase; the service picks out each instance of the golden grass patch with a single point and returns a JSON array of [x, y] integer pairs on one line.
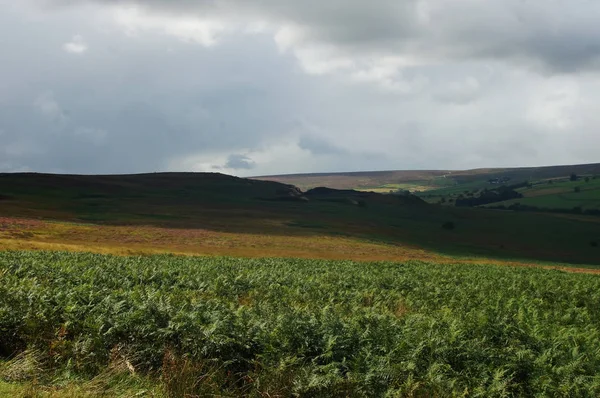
[[23, 234]]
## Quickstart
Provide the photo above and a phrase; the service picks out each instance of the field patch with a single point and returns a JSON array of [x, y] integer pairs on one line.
[[281, 327]]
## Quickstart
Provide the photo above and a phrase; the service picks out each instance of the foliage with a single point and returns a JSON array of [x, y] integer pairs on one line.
[[521, 207], [490, 196], [449, 225], [274, 327], [563, 194]]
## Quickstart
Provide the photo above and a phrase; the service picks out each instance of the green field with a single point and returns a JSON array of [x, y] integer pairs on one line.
[[560, 195], [416, 186], [171, 326], [434, 195]]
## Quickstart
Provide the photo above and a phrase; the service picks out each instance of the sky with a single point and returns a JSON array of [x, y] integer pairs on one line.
[[260, 87]]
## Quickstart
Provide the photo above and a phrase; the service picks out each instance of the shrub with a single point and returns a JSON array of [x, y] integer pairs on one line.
[[449, 225], [313, 328]]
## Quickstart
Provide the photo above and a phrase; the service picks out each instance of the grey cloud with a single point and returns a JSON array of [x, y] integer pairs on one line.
[[131, 104], [459, 92], [319, 146], [559, 35], [154, 101], [239, 162], [342, 159], [50, 108]]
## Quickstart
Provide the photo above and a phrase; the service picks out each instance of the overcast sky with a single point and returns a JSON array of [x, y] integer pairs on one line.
[[255, 87]]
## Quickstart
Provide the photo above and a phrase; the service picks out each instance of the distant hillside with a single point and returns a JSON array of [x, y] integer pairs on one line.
[[173, 198], [354, 180], [226, 204], [423, 180]]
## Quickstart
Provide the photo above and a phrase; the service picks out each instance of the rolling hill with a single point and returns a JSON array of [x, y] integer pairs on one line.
[[252, 215], [449, 294], [424, 180]]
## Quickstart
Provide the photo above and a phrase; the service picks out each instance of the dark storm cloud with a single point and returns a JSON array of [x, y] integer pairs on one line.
[[131, 105], [556, 35], [133, 86]]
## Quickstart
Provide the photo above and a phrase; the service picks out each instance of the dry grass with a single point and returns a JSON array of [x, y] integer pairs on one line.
[[16, 234], [20, 377], [24, 367], [28, 234]]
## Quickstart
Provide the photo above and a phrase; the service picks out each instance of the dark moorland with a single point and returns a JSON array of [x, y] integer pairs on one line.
[[222, 203]]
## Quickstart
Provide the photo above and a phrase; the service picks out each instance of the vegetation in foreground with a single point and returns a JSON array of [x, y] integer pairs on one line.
[[171, 326]]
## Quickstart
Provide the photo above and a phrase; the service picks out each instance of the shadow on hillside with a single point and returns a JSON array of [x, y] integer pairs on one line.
[[228, 204]]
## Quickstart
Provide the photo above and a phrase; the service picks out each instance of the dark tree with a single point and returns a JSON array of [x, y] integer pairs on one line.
[[577, 189], [499, 194], [573, 177]]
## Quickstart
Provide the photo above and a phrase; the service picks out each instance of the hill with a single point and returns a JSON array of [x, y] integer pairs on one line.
[[425, 180], [176, 199], [215, 213], [171, 325]]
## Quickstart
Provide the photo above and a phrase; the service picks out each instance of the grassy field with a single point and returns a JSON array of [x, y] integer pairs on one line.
[[169, 326], [357, 180], [412, 186], [561, 195], [435, 195]]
